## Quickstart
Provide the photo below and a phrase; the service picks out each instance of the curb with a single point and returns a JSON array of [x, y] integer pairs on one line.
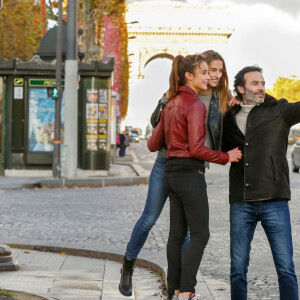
[[143, 263], [84, 182]]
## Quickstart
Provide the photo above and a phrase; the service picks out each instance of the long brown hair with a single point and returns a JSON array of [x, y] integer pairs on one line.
[[222, 87], [181, 65]]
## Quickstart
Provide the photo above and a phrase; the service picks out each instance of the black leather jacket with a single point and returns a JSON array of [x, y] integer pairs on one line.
[[263, 172]]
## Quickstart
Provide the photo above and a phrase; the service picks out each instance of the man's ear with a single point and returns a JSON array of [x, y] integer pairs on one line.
[[188, 75], [241, 89]]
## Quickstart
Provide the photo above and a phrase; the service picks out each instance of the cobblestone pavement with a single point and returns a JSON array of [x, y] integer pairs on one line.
[[102, 219]]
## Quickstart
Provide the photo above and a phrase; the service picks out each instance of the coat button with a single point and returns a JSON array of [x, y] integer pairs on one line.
[[247, 184], [246, 164], [246, 144]]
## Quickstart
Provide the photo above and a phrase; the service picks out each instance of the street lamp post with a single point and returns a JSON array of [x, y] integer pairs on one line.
[[71, 94]]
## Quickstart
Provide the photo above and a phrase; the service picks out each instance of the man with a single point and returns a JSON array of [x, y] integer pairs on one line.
[[122, 146], [259, 183]]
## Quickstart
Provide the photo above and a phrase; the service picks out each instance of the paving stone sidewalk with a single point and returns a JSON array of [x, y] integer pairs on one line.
[[64, 277]]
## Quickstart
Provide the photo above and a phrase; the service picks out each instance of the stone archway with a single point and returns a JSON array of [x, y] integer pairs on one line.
[[148, 54], [163, 39]]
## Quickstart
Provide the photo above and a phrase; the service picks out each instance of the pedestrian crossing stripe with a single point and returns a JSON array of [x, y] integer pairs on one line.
[[19, 81]]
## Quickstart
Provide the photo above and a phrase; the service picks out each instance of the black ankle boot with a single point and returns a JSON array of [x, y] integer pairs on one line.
[[125, 286]]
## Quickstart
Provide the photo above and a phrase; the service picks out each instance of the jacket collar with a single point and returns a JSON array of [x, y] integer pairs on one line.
[[269, 100], [187, 89], [215, 97]]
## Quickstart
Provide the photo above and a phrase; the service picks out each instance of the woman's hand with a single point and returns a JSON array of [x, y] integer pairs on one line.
[[234, 101], [235, 155], [167, 95]]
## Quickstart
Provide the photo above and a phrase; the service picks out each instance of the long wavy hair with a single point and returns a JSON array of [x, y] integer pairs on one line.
[[181, 65], [222, 87]]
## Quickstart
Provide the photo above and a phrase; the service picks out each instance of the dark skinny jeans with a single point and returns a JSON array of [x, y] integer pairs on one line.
[[188, 208]]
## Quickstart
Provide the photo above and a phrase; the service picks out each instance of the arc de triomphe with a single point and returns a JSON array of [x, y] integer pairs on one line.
[[167, 28]]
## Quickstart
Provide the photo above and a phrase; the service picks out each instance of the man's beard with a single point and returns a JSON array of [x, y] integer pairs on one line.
[[251, 99]]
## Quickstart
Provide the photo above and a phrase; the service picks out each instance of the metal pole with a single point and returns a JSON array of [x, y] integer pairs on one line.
[[57, 124], [71, 95]]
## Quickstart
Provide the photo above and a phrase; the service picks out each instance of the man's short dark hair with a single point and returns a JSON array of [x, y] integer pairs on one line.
[[239, 79]]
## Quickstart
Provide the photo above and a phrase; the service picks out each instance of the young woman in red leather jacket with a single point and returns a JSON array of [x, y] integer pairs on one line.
[[182, 129]]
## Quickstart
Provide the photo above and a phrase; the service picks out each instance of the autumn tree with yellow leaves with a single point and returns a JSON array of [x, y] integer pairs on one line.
[[20, 29], [286, 87]]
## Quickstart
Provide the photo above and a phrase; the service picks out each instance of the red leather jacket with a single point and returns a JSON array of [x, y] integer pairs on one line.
[[182, 128]]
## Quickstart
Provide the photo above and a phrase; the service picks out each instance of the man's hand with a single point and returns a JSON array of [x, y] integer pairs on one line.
[[235, 155], [234, 101]]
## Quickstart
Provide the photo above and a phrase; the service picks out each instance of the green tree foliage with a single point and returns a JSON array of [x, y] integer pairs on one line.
[[20, 29]]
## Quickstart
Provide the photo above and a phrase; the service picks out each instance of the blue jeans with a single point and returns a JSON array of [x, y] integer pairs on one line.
[[156, 199], [275, 220]]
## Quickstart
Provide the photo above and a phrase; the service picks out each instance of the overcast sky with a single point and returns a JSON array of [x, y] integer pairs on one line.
[[267, 33], [289, 6]]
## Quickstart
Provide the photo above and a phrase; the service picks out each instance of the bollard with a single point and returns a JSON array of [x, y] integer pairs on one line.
[[6, 261]]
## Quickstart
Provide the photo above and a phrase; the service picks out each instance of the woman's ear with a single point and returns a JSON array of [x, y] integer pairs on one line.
[[188, 76]]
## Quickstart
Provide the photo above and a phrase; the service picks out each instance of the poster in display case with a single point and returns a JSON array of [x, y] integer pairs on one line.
[[96, 119], [103, 96], [91, 127], [91, 111], [102, 111], [92, 95], [41, 119], [91, 142], [102, 127]]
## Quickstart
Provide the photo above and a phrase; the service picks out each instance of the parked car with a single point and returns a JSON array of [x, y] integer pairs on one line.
[[294, 135], [134, 137], [296, 157]]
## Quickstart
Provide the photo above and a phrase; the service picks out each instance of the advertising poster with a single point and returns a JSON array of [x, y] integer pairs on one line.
[[91, 111], [102, 142], [91, 142], [96, 119], [91, 128], [102, 128], [103, 96], [102, 111], [41, 120], [102, 145], [92, 95]]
